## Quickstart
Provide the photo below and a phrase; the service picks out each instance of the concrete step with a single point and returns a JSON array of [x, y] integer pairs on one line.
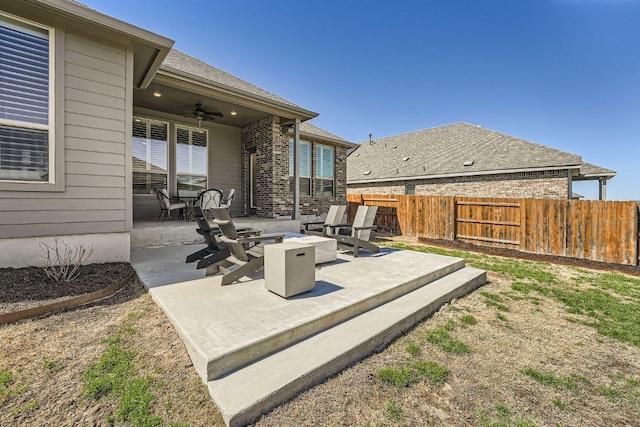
[[246, 393], [234, 357]]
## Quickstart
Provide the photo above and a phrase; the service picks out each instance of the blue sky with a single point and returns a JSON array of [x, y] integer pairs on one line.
[[563, 73]]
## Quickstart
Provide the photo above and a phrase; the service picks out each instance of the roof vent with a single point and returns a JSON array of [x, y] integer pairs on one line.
[[394, 146], [468, 162], [366, 173], [404, 159]]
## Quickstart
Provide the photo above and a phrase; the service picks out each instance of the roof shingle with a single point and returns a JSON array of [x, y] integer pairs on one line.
[[444, 151]]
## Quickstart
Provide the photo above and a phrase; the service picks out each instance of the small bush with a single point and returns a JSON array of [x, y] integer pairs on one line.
[[62, 262]]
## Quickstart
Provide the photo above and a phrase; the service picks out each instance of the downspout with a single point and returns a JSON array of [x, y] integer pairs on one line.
[[295, 214]]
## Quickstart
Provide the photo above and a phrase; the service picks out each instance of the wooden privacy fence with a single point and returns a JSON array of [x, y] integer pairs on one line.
[[594, 230]]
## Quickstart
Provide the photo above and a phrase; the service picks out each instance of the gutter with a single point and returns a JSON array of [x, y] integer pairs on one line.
[[454, 175]]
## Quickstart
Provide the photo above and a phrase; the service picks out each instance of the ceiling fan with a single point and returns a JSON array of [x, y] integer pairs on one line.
[[201, 114]]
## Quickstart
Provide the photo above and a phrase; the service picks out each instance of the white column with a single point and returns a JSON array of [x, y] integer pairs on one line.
[[602, 189]]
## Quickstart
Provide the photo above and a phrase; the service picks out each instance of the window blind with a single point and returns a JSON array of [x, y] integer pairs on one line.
[[191, 158], [149, 150], [24, 101], [304, 157]]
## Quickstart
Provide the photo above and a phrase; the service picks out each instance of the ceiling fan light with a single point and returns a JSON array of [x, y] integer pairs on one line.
[[157, 94], [234, 112]]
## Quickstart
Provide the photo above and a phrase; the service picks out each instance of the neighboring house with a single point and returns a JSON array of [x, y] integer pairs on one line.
[[95, 113], [467, 160]]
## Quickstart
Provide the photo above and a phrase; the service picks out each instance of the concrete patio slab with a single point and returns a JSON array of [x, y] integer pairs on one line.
[[256, 349]]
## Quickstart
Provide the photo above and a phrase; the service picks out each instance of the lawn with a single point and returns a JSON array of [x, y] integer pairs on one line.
[[539, 345]]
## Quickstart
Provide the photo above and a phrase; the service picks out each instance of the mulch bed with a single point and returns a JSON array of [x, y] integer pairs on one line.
[[633, 270], [24, 288]]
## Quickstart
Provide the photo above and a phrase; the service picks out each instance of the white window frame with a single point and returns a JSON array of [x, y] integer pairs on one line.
[[191, 129], [291, 142], [53, 160], [149, 120], [315, 170]]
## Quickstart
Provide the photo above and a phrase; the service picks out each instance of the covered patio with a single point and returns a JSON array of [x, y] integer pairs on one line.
[[197, 127]]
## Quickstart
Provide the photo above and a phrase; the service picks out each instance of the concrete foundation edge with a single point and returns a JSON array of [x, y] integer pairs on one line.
[[26, 251]]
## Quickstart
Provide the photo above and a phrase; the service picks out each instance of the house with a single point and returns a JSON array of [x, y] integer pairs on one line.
[[96, 112], [461, 159]]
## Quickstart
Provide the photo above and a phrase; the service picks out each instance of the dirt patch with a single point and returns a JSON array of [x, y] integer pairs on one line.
[[24, 288]]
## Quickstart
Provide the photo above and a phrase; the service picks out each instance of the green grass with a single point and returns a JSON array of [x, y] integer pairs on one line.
[[441, 336], [561, 405], [27, 407], [550, 380], [501, 317], [414, 372], [468, 319], [50, 364], [501, 416], [433, 372], [115, 376], [609, 392], [6, 379], [394, 411], [413, 349], [610, 301]]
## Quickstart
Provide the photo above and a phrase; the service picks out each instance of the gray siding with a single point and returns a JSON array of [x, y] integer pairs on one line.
[[95, 135], [225, 162]]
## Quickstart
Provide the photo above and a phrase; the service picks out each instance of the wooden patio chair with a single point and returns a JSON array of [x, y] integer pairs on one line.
[[334, 216], [215, 251], [247, 252], [360, 231]]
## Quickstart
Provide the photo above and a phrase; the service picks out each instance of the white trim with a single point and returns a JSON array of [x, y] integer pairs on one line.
[[454, 175], [191, 129], [50, 127]]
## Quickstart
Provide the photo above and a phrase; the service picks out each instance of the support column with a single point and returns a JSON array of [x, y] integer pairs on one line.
[[602, 189], [295, 214], [569, 185]]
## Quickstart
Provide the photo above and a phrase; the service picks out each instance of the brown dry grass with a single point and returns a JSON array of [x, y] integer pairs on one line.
[[485, 387]]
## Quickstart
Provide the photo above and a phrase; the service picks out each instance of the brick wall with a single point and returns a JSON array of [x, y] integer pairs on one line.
[[539, 185], [274, 197]]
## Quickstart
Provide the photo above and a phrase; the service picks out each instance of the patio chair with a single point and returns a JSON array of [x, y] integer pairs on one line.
[[227, 197], [167, 204], [209, 199], [247, 252], [334, 216], [360, 231], [214, 252]]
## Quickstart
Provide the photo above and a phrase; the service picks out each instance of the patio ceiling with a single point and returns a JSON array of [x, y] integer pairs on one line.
[[181, 102]]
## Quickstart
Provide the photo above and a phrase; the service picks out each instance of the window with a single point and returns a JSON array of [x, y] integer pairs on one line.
[[26, 133], [324, 170], [409, 189], [305, 167], [149, 155], [191, 158]]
